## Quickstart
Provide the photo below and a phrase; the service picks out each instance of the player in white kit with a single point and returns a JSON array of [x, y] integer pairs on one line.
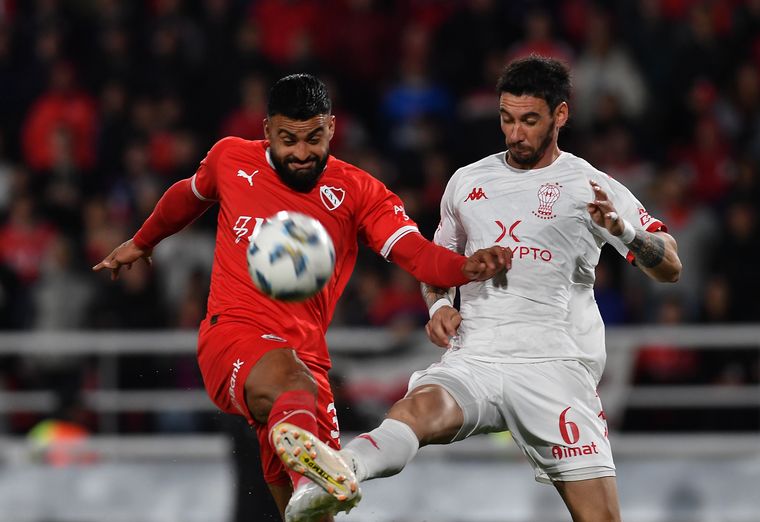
[[525, 353]]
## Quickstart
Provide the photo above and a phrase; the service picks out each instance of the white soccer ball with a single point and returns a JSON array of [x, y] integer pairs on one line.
[[291, 256]]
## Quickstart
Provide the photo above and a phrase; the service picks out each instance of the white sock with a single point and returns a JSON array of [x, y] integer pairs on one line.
[[382, 452]]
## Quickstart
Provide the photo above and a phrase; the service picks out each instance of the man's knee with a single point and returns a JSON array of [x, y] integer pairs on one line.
[[277, 372], [431, 412]]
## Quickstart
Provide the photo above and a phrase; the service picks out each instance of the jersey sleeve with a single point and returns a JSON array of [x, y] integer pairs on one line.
[[204, 181], [381, 216], [449, 233], [629, 208]]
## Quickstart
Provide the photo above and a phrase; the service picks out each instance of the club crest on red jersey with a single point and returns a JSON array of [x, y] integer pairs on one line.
[[331, 197], [548, 194]]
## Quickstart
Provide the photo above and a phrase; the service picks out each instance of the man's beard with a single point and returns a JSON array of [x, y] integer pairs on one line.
[[301, 180], [529, 161]]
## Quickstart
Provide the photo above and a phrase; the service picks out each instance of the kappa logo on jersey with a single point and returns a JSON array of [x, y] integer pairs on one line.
[[548, 194], [511, 231], [331, 197], [644, 217], [248, 177], [398, 209], [476, 194]]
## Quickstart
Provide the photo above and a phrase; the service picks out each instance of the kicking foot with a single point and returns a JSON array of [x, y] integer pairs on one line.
[[310, 502], [312, 458]]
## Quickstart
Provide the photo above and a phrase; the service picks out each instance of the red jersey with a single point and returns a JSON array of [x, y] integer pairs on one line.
[[348, 201]]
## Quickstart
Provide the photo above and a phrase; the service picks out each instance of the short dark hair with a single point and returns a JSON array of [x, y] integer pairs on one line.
[[299, 97], [537, 76]]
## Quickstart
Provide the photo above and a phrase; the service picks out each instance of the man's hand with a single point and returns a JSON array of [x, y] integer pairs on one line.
[[487, 262], [123, 255], [603, 212], [443, 325]]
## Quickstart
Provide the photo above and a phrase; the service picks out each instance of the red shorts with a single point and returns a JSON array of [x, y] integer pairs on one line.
[[227, 351]]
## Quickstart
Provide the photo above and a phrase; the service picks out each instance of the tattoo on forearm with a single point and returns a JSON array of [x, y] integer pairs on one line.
[[648, 249], [431, 294]]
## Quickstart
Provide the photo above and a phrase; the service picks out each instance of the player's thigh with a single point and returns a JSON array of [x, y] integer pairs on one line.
[[593, 500], [432, 413], [556, 417], [474, 387]]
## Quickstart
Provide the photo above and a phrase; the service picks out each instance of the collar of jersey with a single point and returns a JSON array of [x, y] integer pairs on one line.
[[503, 157]]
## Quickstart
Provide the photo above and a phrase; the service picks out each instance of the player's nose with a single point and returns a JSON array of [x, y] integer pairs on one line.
[[301, 152]]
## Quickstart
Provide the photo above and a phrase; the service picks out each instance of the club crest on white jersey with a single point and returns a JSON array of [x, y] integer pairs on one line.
[[548, 194]]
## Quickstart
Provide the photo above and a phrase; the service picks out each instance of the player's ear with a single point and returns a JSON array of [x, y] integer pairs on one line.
[[561, 114], [331, 127], [265, 123]]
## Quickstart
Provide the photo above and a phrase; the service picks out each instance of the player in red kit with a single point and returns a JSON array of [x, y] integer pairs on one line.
[[265, 359]]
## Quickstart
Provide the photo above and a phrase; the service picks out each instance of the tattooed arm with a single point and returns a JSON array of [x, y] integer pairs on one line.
[[656, 253], [444, 318], [432, 294]]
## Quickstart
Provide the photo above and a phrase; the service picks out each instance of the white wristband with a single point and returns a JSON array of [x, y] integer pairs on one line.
[[629, 233], [439, 304]]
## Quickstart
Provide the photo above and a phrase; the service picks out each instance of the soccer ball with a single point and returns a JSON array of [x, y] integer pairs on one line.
[[291, 256]]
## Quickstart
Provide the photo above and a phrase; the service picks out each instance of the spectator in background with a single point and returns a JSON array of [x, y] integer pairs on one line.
[[133, 302], [285, 26], [707, 159], [609, 299], [63, 106], [25, 240], [61, 294], [612, 150], [605, 68], [245, 121], [414, 105], [662, 364], [364, 62], [114, 58], [399, 305], [735, 258], [739, 112], [697, 231], [481, 28], [539, 39], [113, 129]]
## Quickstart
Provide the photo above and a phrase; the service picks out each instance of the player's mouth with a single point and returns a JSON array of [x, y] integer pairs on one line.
[[520, 149], [297, 165]]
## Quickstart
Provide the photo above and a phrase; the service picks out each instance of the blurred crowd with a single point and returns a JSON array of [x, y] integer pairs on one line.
[[105, 103]]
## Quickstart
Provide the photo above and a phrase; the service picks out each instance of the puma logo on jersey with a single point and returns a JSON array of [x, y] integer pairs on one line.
[[248, 177], [476, 194]]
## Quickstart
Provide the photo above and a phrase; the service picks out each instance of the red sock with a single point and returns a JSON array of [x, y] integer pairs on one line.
[[298, 407]]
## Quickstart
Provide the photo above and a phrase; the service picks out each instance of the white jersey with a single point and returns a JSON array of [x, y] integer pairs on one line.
[[547, 309]]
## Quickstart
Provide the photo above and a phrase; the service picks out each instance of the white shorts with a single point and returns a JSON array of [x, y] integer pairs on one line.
[[551, 408]]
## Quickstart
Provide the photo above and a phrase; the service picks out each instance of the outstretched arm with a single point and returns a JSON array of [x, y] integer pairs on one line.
[[439, 266], [176, 209], [656, 253]]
